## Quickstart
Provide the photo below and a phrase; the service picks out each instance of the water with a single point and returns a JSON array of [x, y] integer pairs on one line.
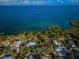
[[35, 18]]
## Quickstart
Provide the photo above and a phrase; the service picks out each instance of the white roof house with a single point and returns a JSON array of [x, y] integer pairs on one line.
[[30, 43]]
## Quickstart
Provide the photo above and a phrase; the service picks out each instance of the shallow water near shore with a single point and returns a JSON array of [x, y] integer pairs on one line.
[[36, 18]]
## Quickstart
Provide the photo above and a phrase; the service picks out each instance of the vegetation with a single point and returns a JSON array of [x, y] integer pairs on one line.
[[74, 23], [44, 40]]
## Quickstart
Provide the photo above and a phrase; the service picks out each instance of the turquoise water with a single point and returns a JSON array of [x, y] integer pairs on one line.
[[36, 18]]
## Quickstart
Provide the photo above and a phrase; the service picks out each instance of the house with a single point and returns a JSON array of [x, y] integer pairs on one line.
[[15, 42], [30, 43]]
